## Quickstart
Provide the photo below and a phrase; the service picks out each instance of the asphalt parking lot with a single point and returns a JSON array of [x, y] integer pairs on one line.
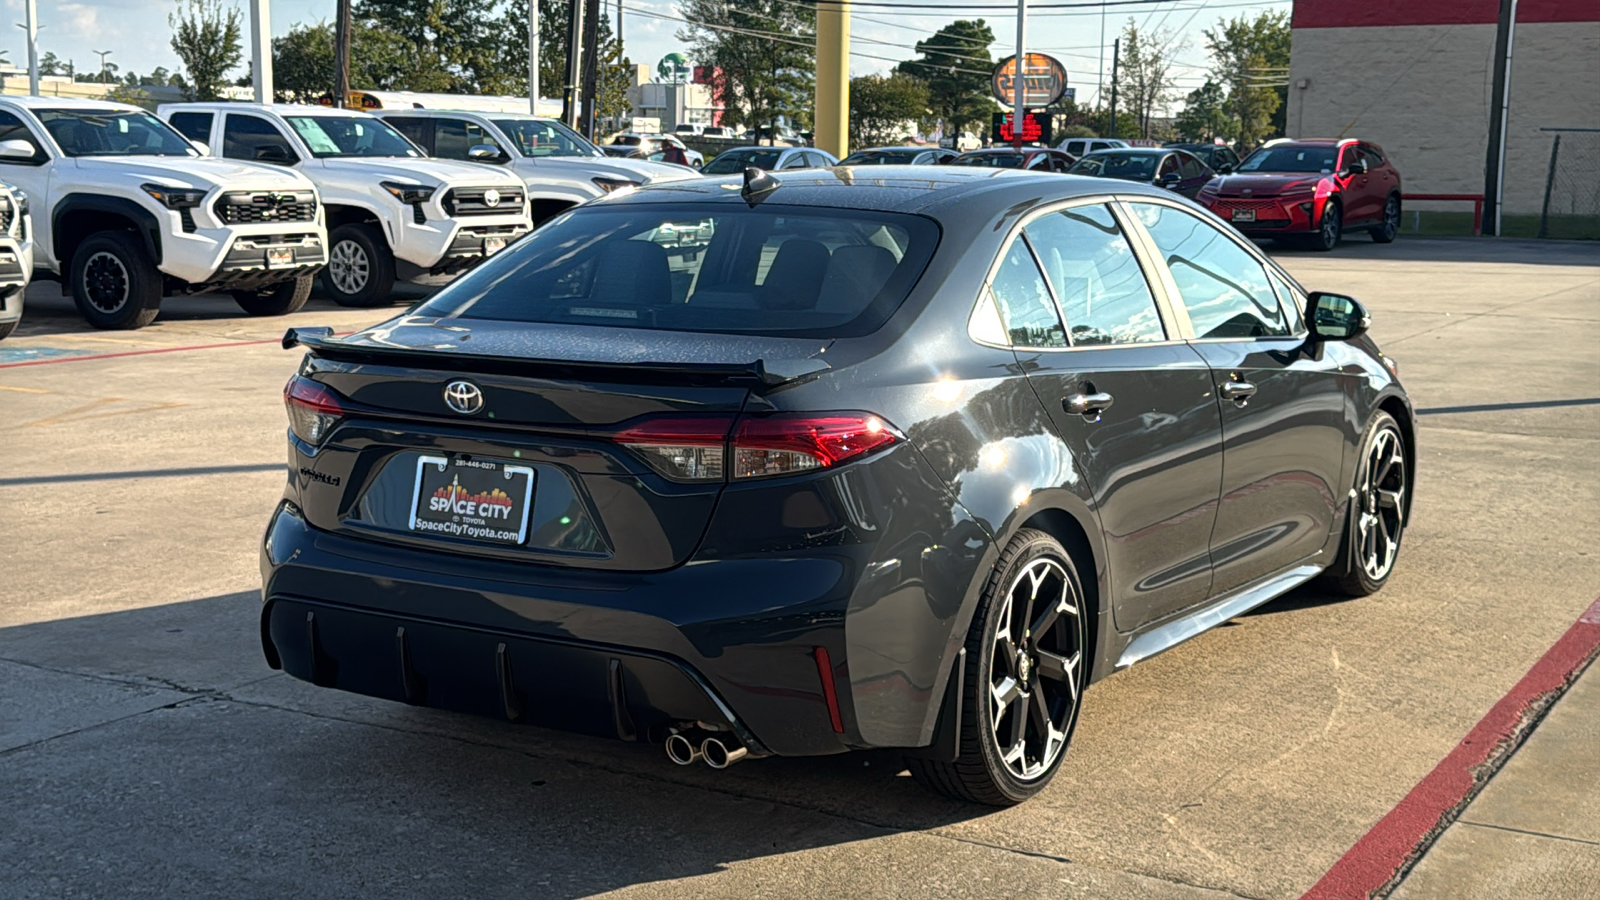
[[147, 750]]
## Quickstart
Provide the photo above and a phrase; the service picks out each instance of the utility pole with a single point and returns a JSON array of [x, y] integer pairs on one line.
[[831, 130], [1116, 53], [1017, 80], [341, 55], [102, 54], [591, 64], [569, 91], [31, 26], [533, 57], [261, 49]]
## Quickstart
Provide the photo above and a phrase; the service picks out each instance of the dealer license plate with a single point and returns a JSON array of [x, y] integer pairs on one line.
[[1244, 215], [493, 245], [280, 257], [474, 499]]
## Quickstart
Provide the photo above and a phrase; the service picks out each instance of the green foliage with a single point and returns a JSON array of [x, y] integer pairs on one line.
[[303, 60], [207, 40], [1076, 131], [956, 66], [1146, 73], [882, 106], [763, 75], [1241, 49], [50, 64], [612, 80], [1205, 114], [1099, 120]]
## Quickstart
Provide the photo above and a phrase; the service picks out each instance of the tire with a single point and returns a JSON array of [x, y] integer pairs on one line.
[[1043, 676], [1330, 229], [360, 270], [1376, 519], [278, 300], [6, 328], [115, 283], [1385, 232]]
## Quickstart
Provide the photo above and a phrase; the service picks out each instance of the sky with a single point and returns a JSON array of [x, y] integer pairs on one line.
[[137, 33]]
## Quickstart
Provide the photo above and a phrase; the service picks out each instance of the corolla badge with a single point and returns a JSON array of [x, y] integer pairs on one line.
[[463, 397]]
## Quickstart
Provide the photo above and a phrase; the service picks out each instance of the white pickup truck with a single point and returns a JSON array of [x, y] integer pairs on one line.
[[126, 211], [16, 256], [560, 168], [392, 212]]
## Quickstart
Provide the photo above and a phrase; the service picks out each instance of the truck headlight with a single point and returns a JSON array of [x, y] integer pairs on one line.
[[175, 198], [410, 194]]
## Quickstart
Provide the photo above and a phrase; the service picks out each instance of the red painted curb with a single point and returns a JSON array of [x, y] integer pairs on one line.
[[1382, 857], [66, 359]]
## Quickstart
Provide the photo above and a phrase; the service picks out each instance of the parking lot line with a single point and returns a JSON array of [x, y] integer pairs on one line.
[[1384, 854]]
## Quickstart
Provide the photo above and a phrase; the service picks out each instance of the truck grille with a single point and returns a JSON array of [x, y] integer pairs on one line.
[[8, 212], [474, 201], [252, 207]]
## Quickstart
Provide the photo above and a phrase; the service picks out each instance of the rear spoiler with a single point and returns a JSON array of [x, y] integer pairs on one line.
[[767, 373]]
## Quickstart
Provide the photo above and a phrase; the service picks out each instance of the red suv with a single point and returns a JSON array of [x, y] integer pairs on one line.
[[1310, 190]]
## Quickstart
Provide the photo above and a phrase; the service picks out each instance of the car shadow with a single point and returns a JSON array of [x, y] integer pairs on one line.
[[1312, 594], [1513, 251], [242, 778]]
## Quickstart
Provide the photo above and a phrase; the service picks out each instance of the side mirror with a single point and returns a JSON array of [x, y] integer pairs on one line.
[[1359, 167], [17, 148], [1171, 180], [201, 147], [1223, 168], [1335, 317], [272, 153], [483, 152]]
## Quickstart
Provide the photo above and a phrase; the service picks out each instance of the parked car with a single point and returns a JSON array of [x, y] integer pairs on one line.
[[1220, 157], [1041, 159], [914, 156], [651, 143], [1175, 170], [962, 142], [1310, 192], [686, 129], [559, 167], [125, 210], [791, 497], [717, 131], [392, 212], [16, 256], [736, 160], [1080, 146]]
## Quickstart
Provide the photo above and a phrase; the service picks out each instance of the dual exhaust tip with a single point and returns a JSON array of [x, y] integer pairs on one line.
[[716, 752]]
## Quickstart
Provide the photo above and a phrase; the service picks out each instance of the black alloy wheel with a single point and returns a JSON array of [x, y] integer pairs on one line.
[[1377, 515], [1026, 667], [276, 300], [1330, 229], [115, 284], [1386, 231]]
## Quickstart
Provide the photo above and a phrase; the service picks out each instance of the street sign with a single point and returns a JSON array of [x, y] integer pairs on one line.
[[1037, 128], [1044, 79]]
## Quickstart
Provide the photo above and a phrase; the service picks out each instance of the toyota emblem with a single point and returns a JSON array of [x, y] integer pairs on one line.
[[463, 397], [491, 197]]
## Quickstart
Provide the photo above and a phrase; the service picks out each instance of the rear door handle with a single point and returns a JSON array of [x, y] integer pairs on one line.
[[1239, 392], [1090, 406]]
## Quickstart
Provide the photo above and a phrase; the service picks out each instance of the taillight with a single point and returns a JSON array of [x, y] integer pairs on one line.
[[700, 448], [313, 409]]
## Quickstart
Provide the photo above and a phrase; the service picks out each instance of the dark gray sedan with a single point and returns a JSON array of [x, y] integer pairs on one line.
[[1176, 170], [897, 461]]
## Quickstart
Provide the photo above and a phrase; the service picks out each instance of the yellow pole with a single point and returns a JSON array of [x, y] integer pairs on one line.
[[832, 128]]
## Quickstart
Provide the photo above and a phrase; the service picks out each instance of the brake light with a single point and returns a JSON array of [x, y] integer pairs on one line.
[[313, 409], [699, 448]]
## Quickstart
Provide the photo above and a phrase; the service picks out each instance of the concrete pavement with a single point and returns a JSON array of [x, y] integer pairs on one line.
[[146, 750]]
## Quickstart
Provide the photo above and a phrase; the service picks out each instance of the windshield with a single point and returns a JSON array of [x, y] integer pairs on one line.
[[735, 161], [541, 137], [1116, 165], [880, 157], [1291, 159], [991, 160], [112, 132], [720, 267], [339, 136]]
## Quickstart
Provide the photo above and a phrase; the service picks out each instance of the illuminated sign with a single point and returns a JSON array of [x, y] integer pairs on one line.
[[1044, 80], [1036, 128]]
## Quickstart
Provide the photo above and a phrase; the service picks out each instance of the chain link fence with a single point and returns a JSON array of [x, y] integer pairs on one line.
[[1571, 207]]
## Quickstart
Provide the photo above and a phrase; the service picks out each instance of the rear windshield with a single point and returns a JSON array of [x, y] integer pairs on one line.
[[1136, 167], [991, 160], [735, 161], [722, 268]]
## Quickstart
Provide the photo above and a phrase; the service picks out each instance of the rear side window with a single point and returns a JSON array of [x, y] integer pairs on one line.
[[452, 138], [418, 129], [253, 138], [1024, 303], [703, 267], [1223, 287], [1096, 278], [196, 126]]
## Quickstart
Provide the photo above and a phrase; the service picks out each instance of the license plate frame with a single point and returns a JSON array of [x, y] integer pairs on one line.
[[1243, 215], [280, 257], [453, 509], [493, 245]]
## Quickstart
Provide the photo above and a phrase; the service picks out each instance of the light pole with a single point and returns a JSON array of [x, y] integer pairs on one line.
[[1017, 69], [31, 26], [533, 57], [261, 49], [102, 54]]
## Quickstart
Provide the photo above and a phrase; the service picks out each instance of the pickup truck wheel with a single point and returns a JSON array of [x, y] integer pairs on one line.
[[6, 328], [114, 282], [360, 268], [278, 300]]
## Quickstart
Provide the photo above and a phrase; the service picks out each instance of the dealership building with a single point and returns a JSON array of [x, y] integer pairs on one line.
[[1467, 97]]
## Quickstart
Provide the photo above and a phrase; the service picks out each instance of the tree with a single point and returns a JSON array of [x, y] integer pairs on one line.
[[1242, 50], [612, 79], [50, 64], [763, 53], [883, 107], [207, 40], [1205, 114], [957, 67], [302, 61], [1146, 72]]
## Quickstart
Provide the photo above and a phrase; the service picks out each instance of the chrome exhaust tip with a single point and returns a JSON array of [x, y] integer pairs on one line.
[[681, 750], [719, 755]]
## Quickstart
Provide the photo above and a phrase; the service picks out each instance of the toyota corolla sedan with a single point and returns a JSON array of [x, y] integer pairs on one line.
[[1310, 192], [894, 461]]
